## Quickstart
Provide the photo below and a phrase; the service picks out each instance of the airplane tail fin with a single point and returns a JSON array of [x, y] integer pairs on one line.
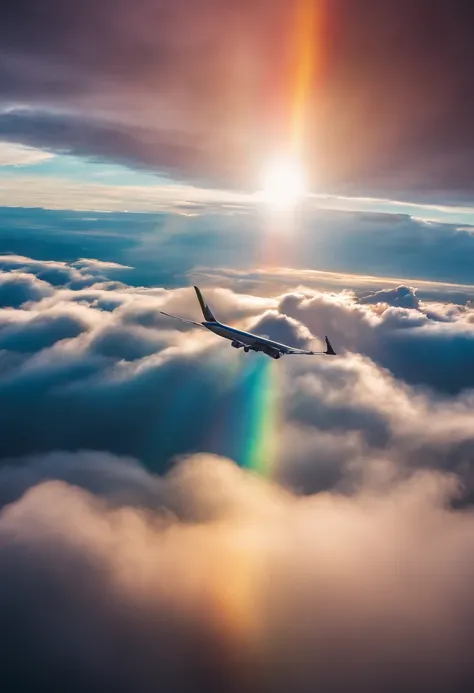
[[206, 311], [329, 350]]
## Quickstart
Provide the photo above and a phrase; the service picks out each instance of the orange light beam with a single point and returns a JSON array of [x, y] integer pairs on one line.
[[308, 53]]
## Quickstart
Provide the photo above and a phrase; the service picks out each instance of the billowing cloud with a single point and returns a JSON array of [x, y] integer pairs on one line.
[[212, 579], [175, 511], [401, 297], [17, 288], [92, 364], [427, 346]]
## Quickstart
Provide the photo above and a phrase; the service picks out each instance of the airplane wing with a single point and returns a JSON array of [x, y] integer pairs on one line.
[[301, 352], [176, 317], [329, 350]]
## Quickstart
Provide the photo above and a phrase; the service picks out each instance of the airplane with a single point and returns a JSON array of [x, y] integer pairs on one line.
[[246, 340]]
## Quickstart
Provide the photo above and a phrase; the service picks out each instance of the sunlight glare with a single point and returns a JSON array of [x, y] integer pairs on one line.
[[284, 183]]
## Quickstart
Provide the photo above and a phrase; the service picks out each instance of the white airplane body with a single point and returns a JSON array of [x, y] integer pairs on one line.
[[246, 340]]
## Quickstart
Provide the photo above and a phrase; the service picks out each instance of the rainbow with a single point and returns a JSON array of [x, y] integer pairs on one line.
[[246, 427], [261, 427]]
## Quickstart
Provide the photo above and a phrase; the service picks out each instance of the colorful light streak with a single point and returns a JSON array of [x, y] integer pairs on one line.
[[262, 417], [309, 18], [290, 106], [248, 425]]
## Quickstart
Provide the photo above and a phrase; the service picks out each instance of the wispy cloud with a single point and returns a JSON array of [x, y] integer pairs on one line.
[[20, 155], [460, 214], [74, 183], [286, 279], [64, 193]]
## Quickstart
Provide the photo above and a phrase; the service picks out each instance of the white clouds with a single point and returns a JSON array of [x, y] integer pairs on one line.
[[423, 212], [19, 287], [213, 579], [20, 155], [63, 193], [109, 372], [92, 264], [215, 576], [300, 280]]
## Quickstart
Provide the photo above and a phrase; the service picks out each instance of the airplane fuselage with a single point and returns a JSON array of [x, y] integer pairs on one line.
[[244, 339]]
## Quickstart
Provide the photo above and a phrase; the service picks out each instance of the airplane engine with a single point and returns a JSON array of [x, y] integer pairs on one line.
[[273, 353], [236, 345]]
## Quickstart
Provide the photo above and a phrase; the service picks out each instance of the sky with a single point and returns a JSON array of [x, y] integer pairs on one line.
[[175, 514]]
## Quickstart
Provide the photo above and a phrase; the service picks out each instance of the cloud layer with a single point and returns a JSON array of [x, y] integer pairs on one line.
[[18, 155], [236, 246], [345, 535], [89, 363], [226, 582], [206, 92]]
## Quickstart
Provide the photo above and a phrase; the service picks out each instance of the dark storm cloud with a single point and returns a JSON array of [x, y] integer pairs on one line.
[[204, 89]]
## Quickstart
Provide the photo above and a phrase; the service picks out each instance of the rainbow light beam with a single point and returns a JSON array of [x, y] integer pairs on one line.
[[308, 58], [261, 417]]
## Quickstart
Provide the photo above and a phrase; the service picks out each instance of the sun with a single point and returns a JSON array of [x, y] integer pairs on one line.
[[284, 183]]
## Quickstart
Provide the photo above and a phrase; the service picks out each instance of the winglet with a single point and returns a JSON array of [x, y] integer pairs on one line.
[[329, 350], [206, 311]]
